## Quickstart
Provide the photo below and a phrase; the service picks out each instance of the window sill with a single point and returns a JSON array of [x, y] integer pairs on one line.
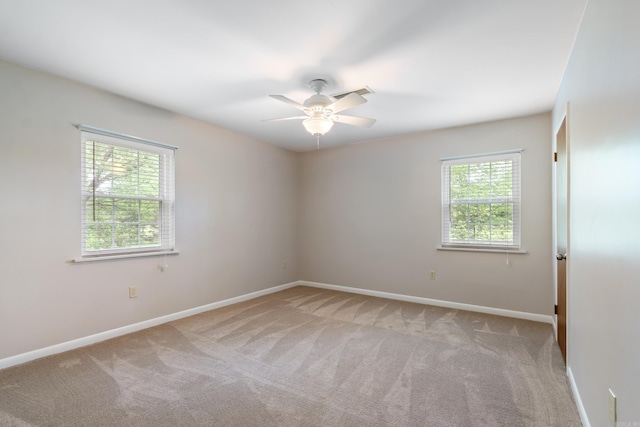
[[495, 251], [115, 257]]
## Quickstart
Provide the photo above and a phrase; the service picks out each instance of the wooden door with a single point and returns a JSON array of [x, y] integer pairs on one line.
[[561, 234]]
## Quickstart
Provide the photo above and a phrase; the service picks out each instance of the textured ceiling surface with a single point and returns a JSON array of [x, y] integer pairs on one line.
[[431, 63]]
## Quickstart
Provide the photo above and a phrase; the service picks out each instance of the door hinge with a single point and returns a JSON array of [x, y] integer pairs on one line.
[[555, 156], [555, 309]]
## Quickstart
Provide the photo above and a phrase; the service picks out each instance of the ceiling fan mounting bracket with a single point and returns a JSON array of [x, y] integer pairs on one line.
[[318, 85]]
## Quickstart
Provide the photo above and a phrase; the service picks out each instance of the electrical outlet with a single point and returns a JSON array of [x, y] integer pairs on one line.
[[432, 275], [133, 292], [284, 265], [613, 415]]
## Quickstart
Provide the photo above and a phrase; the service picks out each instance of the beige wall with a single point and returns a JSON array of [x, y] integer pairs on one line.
[[235, 215], [370, 218], [602, 85]]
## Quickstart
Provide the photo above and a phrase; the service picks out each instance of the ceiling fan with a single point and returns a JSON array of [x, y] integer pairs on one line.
[[321, 110]]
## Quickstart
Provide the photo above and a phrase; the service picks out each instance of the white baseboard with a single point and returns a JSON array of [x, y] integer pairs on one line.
[[440, 303], [576, 397], [103, 336]]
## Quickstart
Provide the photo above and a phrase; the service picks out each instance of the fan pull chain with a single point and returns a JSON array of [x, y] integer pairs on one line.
[[317, 142]]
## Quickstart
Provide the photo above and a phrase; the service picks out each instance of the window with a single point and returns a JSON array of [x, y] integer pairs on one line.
[[481, 201], [127, 195]]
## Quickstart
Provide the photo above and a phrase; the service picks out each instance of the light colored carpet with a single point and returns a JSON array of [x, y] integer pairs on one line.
[[304, 357]]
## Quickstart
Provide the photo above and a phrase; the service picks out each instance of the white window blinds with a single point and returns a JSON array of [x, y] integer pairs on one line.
[[481, 201], [128, 196]]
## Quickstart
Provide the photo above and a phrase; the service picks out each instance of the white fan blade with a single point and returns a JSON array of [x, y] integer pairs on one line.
[[348, 101], [286, 118], [288, 101], [356, 121]]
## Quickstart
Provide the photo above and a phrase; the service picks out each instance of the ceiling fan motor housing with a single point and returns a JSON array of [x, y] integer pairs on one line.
[[317, 102]]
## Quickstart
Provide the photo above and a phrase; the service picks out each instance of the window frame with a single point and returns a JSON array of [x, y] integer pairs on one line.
[[166, 194], [515, 200]]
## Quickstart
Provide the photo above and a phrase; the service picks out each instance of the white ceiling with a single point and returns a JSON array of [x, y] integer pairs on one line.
[[431, 63]]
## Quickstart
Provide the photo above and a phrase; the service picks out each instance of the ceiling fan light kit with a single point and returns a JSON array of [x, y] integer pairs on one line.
[[321, 109], [317, 126]]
